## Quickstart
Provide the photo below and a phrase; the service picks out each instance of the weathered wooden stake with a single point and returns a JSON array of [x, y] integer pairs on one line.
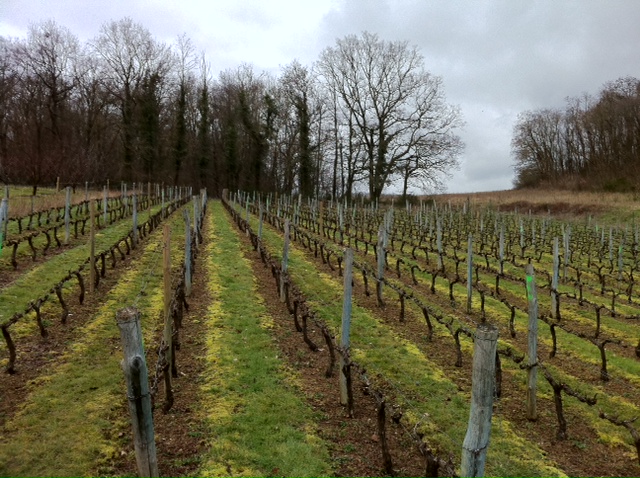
[[382, 232], [168, 330], [135, 219], [136, 375], [532, 299], [439, 243], [67, 215], [196, 223], [501, 252], [567, 251], [285, 260], [345, 340], [149, 202], [469, 273], [105, 197], [187, 253], [92, 248], [620, 260], [554, 279], [476, 441], [4, 220]]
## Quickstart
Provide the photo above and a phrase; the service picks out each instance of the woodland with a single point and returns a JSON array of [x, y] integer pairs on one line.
[[593, 143], [128, 107]]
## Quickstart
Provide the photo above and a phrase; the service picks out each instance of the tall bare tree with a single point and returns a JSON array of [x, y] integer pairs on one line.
[[45, 64], [130, 55], [396, 105]]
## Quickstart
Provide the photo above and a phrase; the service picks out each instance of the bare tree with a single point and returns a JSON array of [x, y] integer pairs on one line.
[[303, 107], [43, 136], [186, 64], [204, 150], [593, 142], [244, 113], [96, 127], [130, 55], [396, 106]]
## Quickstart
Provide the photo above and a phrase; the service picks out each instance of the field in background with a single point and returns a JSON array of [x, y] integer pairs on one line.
[[602, 206], [22, 201]]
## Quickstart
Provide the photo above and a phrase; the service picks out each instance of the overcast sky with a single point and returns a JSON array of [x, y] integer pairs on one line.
[[497, 58]]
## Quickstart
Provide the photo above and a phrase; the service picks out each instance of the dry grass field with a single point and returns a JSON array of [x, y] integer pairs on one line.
[[602, 206]]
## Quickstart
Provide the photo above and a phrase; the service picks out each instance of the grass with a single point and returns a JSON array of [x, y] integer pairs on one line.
[[24, 252], [610, 208], [63, 427], [258, 424], [47, 198], [38, 281]]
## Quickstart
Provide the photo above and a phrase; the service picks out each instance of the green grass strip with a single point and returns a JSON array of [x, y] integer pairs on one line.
[[259, 424], [37, 281], [62, 428], [429, 396]]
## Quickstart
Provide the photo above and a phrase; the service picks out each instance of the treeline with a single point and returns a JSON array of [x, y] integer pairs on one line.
[[593, 143], [126, 106]]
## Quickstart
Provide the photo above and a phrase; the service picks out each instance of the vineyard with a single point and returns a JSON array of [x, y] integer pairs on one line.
[[259, 377]]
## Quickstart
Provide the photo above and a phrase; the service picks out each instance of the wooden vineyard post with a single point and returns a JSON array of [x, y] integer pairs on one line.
[[341, 222], [162, 213], [187, 252], [32, 198], [620, 260], [345, 340], [4, 220], [567, 251], [554, 279], [439, 243], [105, 197], [196, 224], [501, 252], [260, 222], [532, 299], [135, 219], [67, 214], [285, 260], [136, 375], [610, 245], [149, 202], [92, 248], [382, 232], [469, 273], [476, 441], [168, 330]]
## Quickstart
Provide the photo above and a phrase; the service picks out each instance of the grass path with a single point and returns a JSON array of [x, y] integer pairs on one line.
[[259, 425]]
